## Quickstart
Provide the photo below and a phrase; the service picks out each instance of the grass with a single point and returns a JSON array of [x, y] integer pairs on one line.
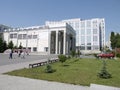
[[75, 71]]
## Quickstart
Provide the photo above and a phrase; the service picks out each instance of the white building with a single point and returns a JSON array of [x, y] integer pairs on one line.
[[90, 34], [59, 38]]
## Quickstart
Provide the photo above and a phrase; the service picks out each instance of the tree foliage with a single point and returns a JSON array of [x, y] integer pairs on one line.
[[10, 45], [115, 40], [62, 58], [1, 45], [104, 73]]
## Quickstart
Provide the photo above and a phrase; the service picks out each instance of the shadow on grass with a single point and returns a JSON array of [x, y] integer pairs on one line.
[[66, 65]]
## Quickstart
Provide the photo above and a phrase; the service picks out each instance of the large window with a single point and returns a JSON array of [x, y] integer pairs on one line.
[[82, 31], [95, 31], [20, 36], [88, 47], [83, 24], [82, 48], [88, 40], [34, 49], [95, 38], [13, 35], [88, 23], [88, 31], [82, 40], [34, 36], [29, 36]]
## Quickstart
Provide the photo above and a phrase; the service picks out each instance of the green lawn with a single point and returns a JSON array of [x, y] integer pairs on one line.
[[75, 71]]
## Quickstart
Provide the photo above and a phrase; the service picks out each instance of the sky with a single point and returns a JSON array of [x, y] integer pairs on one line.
[[26, 13]]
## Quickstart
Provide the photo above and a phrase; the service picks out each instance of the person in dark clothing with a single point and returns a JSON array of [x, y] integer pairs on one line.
[[10, 57]]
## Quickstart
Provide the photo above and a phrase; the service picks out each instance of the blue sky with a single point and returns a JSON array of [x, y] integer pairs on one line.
[[23, 13]]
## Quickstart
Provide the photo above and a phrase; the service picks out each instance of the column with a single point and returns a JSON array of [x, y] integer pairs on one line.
[[56, 43], [64, 42], [49, 41]]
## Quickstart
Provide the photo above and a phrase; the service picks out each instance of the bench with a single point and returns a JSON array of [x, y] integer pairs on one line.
[[37, 64], [42, 63]]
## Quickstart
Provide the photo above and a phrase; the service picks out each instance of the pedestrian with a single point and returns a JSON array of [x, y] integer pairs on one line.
[[10, 56], [23, 55]]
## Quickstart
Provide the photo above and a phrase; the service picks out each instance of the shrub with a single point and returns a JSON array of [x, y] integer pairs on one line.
[[104, 73], [73, 53], [49, 69], [118, 55], [62, 58]]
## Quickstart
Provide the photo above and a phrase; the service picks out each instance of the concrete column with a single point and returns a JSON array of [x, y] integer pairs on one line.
[[56, 43], [64, 42], [49, 41]]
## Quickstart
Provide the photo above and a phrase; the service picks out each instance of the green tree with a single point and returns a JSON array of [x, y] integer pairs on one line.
[[1, 45], [112, 39], [115, 40], [10, 45], [20, 46], [5, 45], [104, 73], [73, 53], [62, 58]]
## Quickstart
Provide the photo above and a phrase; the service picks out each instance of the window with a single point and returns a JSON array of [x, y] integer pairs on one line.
[[88, 31], [88, 24], [82, 31], [88, 40], [46, 49], [82, 40], [82, 24], [13, 35], [95, 38], [82, 48], [24, 36], [88, 47], [34, 36], [29, 36], [34, 49], [20, 36], [95, 48], [95, 31]]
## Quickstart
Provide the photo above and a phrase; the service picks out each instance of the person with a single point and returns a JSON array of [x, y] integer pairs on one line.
[[23, 55], [10, 56]]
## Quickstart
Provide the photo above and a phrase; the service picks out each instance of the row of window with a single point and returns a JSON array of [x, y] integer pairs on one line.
[[23, 36], [88, 31], [89, 48]]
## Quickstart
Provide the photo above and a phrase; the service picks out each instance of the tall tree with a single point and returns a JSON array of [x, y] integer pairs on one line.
[[5, 45], [112, 37], [10, 45], [1, 45]]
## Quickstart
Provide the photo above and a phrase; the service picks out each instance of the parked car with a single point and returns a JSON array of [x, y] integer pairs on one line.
[[106, 55]]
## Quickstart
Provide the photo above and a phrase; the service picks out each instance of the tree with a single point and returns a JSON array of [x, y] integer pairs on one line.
[[20, 46], [73, 53], [5, 45], [112, 39], [104, 73], [62, 58], [10, 45], [1, 45], [115, 40]]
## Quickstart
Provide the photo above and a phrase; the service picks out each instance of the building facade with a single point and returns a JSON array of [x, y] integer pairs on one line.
[[90, 34], [53, 38]]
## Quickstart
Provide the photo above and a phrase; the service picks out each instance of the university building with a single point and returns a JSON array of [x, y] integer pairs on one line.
[[90, 34], [61, 37], [55, 38]]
